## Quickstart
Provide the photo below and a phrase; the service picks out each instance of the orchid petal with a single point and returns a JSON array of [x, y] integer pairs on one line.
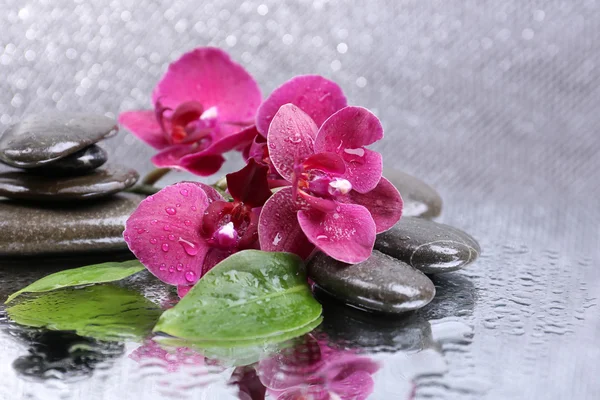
[[170, 157], [278, 228], [326, 162], [358, 385], [290, 139], [313, 94], [346, 234], [202, 164], [345, 133], [384, 203], [143, 124], [164, 233], [208, 76], [249, 185]]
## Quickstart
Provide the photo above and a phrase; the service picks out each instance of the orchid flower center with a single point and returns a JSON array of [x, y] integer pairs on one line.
[[324, 185], [188, 123], [230, 226]]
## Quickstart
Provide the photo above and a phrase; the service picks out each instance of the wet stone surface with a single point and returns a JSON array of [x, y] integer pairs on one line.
[[429, 246], [381, 283], [80, 162], [43, 138], [95, 226], [420, 199], [98, 183]]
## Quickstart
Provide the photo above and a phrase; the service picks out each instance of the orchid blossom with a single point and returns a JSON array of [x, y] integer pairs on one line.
[[337, 199], [314, 370], [204, 106], [184, 230]]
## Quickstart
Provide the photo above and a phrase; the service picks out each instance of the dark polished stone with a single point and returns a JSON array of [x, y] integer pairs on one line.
[[420, 199], [381, 283], [80, 162], [43, 138], [428, 246], [95, 226], [99, 183]]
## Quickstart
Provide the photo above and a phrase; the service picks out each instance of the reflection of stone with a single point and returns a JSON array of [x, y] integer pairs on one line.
[[455, 297], [63, 355], [360, 329]]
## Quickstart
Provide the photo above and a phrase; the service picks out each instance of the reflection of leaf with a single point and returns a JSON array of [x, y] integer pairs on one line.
[[103, 312], [250, 297], [98, 273]]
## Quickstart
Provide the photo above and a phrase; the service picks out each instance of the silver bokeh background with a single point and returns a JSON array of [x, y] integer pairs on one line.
[[496, 104]]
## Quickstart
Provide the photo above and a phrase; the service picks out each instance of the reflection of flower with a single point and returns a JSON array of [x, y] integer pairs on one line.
[[338, 200], [173, 360], [201, 107], [184, 230], [316, 371]]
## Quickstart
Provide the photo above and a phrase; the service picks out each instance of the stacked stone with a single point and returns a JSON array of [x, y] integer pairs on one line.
[[396, 278], [59, 197]]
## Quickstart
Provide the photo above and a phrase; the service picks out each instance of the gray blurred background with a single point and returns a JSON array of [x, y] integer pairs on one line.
[[496, 104]]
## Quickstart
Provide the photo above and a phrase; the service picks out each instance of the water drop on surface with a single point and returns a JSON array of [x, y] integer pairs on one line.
[[190, 276], [322, 237], [194, 208], [184, 192], [171, 269], [154, 221], [187, 222], [179, 267], [153, 240], [166, 228], [171, 237], [141, 230], [171, 210], [189, 247], [163, 266], [165, 247]]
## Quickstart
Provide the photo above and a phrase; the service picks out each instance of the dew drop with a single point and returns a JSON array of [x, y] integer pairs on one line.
[[171, 210], [184, 192], [187, 222], [154, 221], [171, 269], [153, 240], [194, 208], [179, 267], [141, 230], [165, 247], [190, 276], [171, 237], [150, 198], [322, 237], [178, 205], [189, 247], [166, 228], [163, 266]]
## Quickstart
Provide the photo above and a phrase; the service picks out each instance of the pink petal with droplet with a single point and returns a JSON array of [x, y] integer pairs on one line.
[[313, 94], [202, 164], [278, 228], [346, 234], [209, 76], [164, 233], [384, 203], [345, 133], [290, 139], [327, 162], [143, 124]]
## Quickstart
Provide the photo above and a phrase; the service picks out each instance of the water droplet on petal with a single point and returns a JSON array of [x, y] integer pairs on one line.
[[165, 247], [178, 205], [184, 192], [189, 247], [171, 269], [154, 221], [141, 230], [150, 198], [179, 267], [171, 237], [190, 276], [194, 208], [163, 266], [187, 222], [167, 228], [153, 240], [171, 210], [322, 237]]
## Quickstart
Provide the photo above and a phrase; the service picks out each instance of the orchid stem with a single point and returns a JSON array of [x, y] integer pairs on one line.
[[154, 176]]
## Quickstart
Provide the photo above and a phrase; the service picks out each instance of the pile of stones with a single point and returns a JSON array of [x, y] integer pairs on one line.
[[57, 196], [396, 278]]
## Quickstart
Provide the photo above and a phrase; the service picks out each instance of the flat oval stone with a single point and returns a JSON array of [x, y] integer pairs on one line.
[[381, 283], [428, 246], [99, 183], [80, 162], [42, 138], [420, 199], [31, 229]]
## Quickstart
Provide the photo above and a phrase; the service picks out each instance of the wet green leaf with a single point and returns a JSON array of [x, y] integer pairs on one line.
[[98, 273], [104, 312], [250, 297]]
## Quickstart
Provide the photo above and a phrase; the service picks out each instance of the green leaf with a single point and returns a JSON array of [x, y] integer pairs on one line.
[[250, 297], [98, 273], [104, 312]]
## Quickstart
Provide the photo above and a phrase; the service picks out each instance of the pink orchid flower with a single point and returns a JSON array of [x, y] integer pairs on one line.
[[338, 199], [313, 370], [184, 230], [204, 106]]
